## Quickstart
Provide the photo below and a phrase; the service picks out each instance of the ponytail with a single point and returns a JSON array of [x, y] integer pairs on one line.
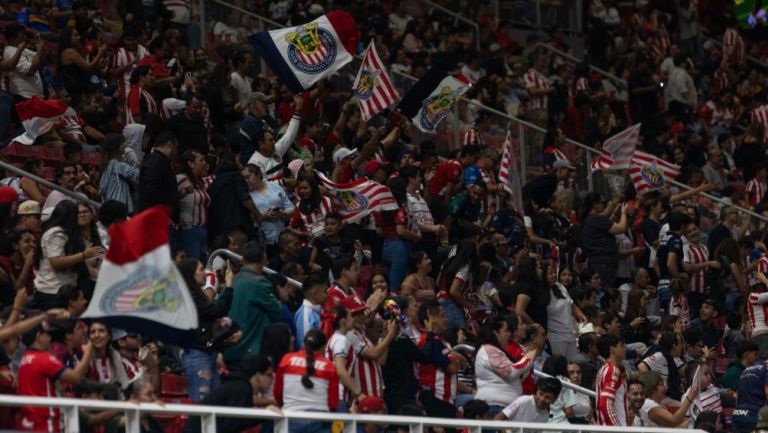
[[314, 340], [337, 314]]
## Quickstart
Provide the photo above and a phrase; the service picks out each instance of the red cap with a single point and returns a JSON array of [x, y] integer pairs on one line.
[[372, 166], [370, 404], [353, 304], [678, 128], [8, 195]]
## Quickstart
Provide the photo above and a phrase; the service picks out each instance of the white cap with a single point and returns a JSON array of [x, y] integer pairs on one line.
[[343, 153]]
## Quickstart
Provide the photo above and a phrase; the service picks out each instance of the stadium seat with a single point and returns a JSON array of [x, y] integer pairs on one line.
[[92, 158], [50, 173], [53, 156], [173, 386]]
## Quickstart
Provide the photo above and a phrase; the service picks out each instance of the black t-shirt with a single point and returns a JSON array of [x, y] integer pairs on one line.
[[598, 244], [645, 102], [329, 250], [670, 243]]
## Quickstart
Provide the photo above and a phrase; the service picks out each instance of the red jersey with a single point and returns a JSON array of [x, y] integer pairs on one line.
[[516, 352], [313, 223], [449, 171], [444, 385], [611, 395], [158, 67], [139, 102], [292, 395], [38, 373]]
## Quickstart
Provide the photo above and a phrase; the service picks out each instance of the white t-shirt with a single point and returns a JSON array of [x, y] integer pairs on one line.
[[643, 419], [559, 317], [524, 409], [567, 398], [22, 84], [47, 280], [242, 85], [658, 363]]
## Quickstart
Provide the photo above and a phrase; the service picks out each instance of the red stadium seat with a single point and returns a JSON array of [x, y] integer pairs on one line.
[[92, 158], [173, 386], [54, 155]]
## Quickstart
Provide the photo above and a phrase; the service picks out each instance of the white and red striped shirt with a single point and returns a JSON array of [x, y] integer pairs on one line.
[[582, 85], [367, 372], [757, 307], [193, 205], [73, 125], [340, 346], [535, 80], [133, 103], [760, 114], [611, 387], [473, 137], [313, 223], [681, 309], [660, 43], [292, 395], [124, 57], [695, 254], [444, 385], [732, 39], [492, 200], [756, 191]]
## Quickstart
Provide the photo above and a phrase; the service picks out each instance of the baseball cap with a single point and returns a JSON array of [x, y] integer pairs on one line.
[[29, 207], [561, 163], [353, 304], [342, 154], [258, 96], [8, 195], [372, 166], [371, 404], [119, 334]]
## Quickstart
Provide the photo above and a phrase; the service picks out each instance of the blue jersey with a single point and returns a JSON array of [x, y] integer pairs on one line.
[[472, 175], [751, 393], [670, 243]]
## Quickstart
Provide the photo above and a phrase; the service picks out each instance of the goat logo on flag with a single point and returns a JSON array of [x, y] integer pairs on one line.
[[652, 175], [436, 107], [311, 49], [373, 88], [352, 201]]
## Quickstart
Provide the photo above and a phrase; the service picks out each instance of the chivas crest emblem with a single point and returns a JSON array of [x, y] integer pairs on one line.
[[368, 80], [435, 108], [652, 175], [311, 49]]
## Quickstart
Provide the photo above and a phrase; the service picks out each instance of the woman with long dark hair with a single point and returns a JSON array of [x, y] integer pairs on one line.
[[75, 70], [531, 294], [318, 382], [636, 327], [418, 282], [598, 234], [119, 179], [661, 358], [61, 254], [457, 281], [499, 379], [308, 220], [562, 315], [86, 222], [199, 360], [277, 341]]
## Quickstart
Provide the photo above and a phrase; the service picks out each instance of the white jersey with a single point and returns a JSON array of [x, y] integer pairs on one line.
[[757, 306]]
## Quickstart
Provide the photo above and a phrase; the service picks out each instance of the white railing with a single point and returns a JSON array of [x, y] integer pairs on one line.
[[50, 185], [133, 411]]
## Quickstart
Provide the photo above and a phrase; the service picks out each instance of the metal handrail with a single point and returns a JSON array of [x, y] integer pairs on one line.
[[239, 258], [575, 59], [458, 17], [50, 185], [71, 407]]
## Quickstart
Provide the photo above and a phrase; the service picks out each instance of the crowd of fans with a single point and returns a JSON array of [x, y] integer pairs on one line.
[[444, 307]]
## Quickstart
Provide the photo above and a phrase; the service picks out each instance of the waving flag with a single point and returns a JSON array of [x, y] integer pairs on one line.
[[430, 100], [359, 198], [305, 54], [650, 172], [509, 173], [139, 288], [618, 150], [38, 116], [373, 88]]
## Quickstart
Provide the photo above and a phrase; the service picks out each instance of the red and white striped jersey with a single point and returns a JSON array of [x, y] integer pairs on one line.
[[696, 254], [473, 137], [660, 43], [444, 385], [760, 114], [756, 191], [340, 346], [133, 103], [73, 125], [292, 395], [123, 57], [757, 307], [492, 200], [367, 372], [535, 80], [582, 85], [762, 265], [611, 387], [313, 223], [732, 39]]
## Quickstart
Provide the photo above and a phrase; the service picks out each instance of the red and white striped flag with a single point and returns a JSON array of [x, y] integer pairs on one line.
[[618, 150], [359, 198], [509, 173], [38, 116], [139, 287], [373, 88], [650, 172]]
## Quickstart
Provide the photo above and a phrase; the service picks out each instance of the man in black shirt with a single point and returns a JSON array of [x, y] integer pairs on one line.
[[542, 188], [643, 91], [157, 183], [188, 126]]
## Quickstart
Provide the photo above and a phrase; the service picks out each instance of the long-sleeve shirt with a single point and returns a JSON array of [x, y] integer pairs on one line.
[[271, 165], [157, 184], [611, 396], [499, 379]]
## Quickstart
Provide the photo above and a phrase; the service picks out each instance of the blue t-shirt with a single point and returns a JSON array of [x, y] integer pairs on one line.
[[472, 175], [751, 393], [670, 243]]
